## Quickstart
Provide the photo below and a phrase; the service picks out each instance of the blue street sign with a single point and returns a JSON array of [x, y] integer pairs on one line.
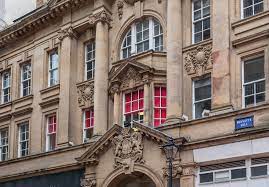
[[246, 122]]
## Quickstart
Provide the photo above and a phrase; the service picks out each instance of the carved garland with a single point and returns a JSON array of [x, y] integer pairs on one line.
[[86, 94], [131, 79], [128, 149], [199, 60], [177, 170]]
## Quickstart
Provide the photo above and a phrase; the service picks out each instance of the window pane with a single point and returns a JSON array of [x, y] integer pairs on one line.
[[203, 93], [208, 177], [206, 34], [197, 15], [258, 8], [197, 37], [196, 4], [206, 24], [206, 11], [198, 26], [238, 173], [249, 89], [254, 69], [200, 107], [222, 176], [248, 12], [258, 171], [206, 3], [248, 3], [249, 100], [260, 86], [260, 98]]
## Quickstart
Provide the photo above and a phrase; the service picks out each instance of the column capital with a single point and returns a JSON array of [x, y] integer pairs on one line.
[[115, 88], [67, 32], [102, 16]]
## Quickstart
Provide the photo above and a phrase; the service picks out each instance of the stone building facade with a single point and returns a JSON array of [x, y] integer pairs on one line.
[[76, 73]]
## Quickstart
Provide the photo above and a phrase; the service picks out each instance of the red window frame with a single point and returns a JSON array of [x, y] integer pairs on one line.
[[134, 102], [88, 118], [160, 95], [52, 124]]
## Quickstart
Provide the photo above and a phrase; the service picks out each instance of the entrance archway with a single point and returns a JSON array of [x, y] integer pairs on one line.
[[136, 179]]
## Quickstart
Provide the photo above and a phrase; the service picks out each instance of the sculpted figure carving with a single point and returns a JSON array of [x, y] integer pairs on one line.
[[128, 149]]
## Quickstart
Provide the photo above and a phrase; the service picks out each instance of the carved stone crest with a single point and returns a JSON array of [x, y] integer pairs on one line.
[[128, 149], [86, 94], [68, 32], [88, 182], [131, 79], [197, 61]]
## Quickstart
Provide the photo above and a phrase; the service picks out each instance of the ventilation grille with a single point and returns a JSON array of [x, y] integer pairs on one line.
[[255, 161], [223, 166]]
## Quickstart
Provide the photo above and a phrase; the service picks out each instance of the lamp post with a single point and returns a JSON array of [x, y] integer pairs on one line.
[[170, 150]]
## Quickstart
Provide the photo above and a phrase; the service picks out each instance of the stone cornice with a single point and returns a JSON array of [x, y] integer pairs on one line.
[[37, 20], [102, 15]]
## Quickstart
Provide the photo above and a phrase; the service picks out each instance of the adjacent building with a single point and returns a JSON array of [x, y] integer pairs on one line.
[[91, 90], [2, 14]]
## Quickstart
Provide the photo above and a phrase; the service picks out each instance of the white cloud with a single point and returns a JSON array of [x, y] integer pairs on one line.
[[17, 8]]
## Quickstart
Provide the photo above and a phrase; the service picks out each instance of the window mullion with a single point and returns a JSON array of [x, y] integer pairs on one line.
[[151, 30], [133, 40]]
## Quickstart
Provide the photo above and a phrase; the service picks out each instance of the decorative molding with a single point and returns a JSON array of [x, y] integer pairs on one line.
[[131, 79], [86, 94], [68, 32], [102, 16], [88, 182], [120, 6], [130, 2], [198, 60], [128, 149], [177, 170], [49, 102], [115, 88]]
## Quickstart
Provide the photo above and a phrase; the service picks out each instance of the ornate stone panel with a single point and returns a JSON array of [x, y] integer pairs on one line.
[[131, 79], [177, 170], [88, 182], [198, 60], [120, 6], [85, 94], [128, 149]]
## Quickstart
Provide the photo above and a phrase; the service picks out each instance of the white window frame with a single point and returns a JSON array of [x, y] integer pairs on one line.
[[51, 70], [243, 8], [193, 96], [201, 19], [252, 82], [84, 124], [151, 38], [224, 170], [6, 88], [124, 117], [20, 141], [92, 60], [5, 145], [28, 79], [257, 165], [48, 135]]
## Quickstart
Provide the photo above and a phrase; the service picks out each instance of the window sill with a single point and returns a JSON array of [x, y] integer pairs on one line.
[[50, 88], [5, 104], [258, 177], [24, 98], [244, 21], [195, 45]]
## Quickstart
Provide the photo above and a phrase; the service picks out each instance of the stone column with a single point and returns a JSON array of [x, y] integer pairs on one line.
[[101, 73], [68, 45], [221, 98], [115, 91], [174, 60], [146, 99]]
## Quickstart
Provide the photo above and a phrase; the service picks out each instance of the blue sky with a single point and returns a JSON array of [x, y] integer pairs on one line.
[[17, 8]]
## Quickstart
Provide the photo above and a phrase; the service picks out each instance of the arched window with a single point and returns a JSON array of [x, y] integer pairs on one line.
[[142, 36]]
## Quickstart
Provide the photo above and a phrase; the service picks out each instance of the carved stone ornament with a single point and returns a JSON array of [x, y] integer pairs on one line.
[[102, 16], [88, 182], [177, 170], [188, 170], [131, 2], [131, 79], [120, 6], [128, 149], [115, 88], [198, 60], [69, 32], [86, 94]]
